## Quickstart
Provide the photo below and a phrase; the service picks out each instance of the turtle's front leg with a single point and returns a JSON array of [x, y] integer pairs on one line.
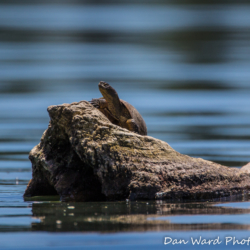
[[99, 103], [132, 126], [102, 105]]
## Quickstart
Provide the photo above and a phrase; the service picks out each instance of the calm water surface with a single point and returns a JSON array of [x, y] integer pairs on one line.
[[185, 67]]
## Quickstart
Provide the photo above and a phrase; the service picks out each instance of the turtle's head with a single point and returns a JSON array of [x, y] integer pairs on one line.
[[108, 92]]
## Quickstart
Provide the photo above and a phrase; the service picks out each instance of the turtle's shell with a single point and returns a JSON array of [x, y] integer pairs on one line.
[[137, 117]]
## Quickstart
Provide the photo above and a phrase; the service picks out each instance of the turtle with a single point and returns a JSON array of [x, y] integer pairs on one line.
[[118, 111]]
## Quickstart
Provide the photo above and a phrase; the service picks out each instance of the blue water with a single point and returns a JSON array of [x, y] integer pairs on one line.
[[184, 66]]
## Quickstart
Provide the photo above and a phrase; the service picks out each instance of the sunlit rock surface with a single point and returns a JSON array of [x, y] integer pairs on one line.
[[84, 157]]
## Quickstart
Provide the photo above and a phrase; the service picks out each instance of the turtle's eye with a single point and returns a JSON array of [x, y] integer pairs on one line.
[[104, 84]]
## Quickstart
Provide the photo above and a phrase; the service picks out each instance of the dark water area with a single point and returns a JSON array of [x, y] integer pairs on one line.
[[184, 65]]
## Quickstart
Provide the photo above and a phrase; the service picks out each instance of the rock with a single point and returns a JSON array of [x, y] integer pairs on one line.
[[84, 157], [245, 169]]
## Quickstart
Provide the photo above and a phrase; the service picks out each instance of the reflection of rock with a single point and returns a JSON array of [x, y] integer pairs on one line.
[[82, 156], [130, 216]]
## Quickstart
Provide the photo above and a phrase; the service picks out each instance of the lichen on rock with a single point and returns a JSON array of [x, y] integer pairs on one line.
[[82, 156]]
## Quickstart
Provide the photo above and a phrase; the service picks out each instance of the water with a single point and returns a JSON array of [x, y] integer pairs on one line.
[[184, 66]]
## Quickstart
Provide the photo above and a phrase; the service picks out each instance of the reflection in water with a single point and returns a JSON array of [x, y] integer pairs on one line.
[[136, 216]]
